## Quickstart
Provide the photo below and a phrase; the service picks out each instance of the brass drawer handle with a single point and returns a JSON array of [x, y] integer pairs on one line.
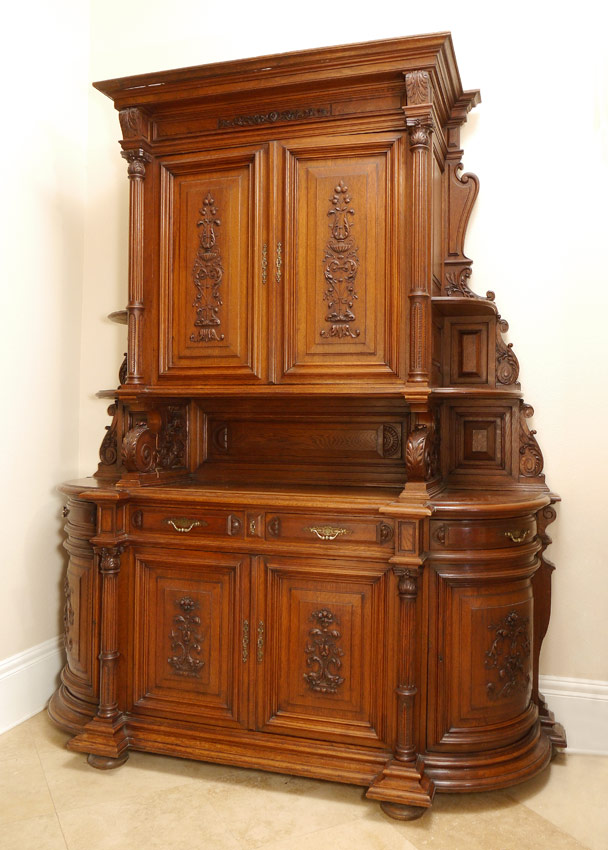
[[183, 524], [264, 264], [245, 642], [260, 644], [517, 535], [327, 532]]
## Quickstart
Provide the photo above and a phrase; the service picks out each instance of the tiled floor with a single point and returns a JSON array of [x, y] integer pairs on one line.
[[50, 799]]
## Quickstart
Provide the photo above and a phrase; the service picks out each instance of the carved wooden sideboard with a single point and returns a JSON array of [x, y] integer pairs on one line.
[[315, 540]]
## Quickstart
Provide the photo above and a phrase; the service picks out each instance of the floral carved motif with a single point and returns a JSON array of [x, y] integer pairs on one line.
[[508, 655], [417, 87], [323, 653], [271, 117], [340, 267], [68, 616], [507, 364], [207, 274], [185, 639], [172, 440], [530, 456]]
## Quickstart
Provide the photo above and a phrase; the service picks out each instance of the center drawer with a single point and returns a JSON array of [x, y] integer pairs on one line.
[[328, 530]]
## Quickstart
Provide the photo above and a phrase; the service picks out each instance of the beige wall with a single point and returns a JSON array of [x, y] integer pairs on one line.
[[539, 143]]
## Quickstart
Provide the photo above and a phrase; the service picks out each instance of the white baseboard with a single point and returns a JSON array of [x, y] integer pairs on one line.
[[27, 680], [581, 706]]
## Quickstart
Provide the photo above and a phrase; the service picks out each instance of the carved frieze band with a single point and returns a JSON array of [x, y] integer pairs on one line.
[[272, 117], [508, 655], [186, 640], [507, 364], [340, 267], [323, 653], [530, 456], [207, 274]]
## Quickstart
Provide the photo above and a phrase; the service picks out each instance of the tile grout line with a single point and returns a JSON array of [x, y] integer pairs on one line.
[[547, 820], [65, 841]]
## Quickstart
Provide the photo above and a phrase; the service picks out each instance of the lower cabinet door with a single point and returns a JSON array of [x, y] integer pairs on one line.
[[189, 611], [322, 657]]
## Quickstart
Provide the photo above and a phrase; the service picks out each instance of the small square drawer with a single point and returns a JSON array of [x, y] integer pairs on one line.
[[483, 534], [185, 521]]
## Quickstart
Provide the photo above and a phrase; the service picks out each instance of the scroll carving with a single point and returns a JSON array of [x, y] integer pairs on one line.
[[139, 449], [185, 639], [507, 364], [418, 87], [458, 284], [340, 267], [108, 451], [272, 117], [123, 371], [324, 653], [508, 655], [530, 456], [385, 532], [207, 274]]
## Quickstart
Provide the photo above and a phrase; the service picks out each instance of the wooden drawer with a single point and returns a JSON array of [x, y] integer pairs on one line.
[[327, 530], [186, 521], [483, 534]]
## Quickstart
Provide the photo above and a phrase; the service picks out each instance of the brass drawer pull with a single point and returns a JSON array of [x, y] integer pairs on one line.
[[245, 642], [517, 535], [327, 532], [183, 524], [264, 264], [260, 653]]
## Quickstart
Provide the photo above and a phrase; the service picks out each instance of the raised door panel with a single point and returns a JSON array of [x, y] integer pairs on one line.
[[189, 615], [212, 306], [481, 673], [324, 660], [342, 291]]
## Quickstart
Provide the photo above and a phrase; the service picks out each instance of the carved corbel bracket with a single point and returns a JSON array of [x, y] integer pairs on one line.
[[507, 364], [530, 456], [157, 442], [134, 123], [139, 449], [422, 452]]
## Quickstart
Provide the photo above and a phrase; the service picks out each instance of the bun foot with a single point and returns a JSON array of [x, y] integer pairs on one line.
[[106, 762], [402, 812]]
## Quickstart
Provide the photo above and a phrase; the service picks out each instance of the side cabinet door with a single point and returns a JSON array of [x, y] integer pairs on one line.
[[188, 618], [212, 302], [343, 259], [322, 667]]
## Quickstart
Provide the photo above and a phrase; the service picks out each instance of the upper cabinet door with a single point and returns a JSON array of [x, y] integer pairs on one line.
[[212, 301], [343, 259]]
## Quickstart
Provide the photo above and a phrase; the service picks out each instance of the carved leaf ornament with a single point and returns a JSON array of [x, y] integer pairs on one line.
[[323, 653], [207, 274], [185, 639], [507, 654], [340, 267]]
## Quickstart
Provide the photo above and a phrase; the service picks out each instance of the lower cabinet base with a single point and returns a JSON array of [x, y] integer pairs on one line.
[[404, 790]]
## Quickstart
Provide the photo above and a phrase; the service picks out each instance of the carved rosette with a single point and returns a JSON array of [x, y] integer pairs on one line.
[[507, 364], [391, 441], [340, 267], [323, 653], [207, 274], [508, 655], [186, 640], [139, 452], [530, 456], [173, 439]]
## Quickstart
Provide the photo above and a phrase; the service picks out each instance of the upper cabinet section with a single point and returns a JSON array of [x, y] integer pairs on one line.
[[286, 223]]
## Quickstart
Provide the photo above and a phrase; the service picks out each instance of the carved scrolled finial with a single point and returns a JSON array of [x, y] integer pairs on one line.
[[137, 160]]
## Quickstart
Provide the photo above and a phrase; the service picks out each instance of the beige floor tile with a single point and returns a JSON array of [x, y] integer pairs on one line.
[[371, 832], [172, 819], [491, 821], [43, 833], [23, 789], [572, 795], [18, 742], [259, 806]]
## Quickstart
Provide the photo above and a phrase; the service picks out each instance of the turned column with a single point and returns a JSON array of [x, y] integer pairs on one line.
[[137, 160], [405, 750]]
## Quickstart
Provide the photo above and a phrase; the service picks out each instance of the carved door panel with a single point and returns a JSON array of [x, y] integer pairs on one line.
[[343, 261], [481, 672], [188, 630], [322, 665], [212, 303]]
